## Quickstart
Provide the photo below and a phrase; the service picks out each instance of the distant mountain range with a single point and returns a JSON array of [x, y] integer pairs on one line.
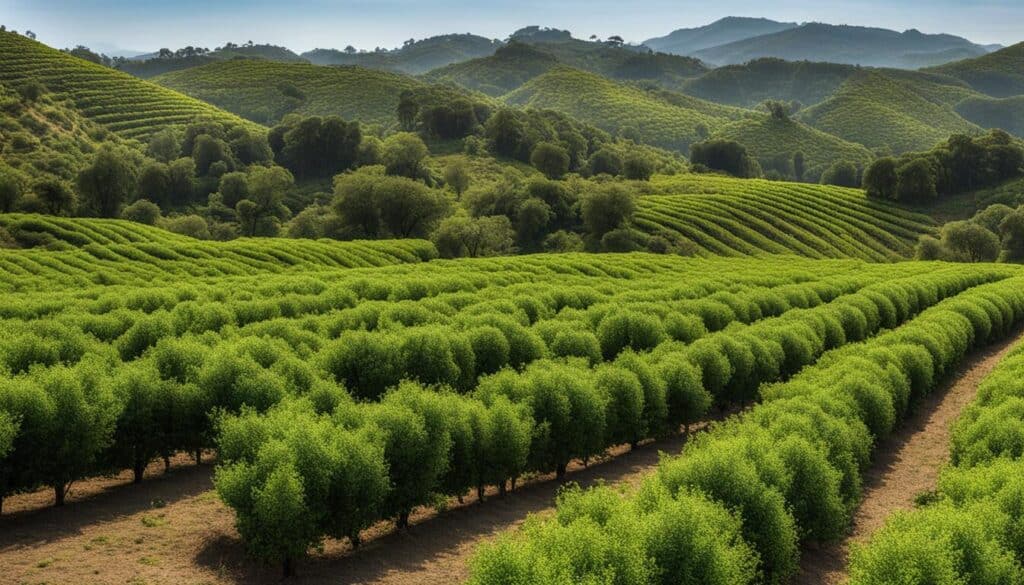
[[736, 40]]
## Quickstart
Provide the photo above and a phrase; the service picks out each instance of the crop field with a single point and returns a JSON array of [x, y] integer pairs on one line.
[[375, 391], [731, 217], [969, 529], [128, 106]]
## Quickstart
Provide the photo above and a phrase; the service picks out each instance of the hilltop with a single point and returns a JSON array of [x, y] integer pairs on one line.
[[510, 67], [621, 109], [880, 111], [856, 45], [999, 74], [687, 41], [265, 91], [415, 57], [126, 105], [774, 141], [153, 64]]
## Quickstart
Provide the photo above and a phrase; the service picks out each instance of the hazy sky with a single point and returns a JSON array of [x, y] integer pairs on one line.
[[307, 24]]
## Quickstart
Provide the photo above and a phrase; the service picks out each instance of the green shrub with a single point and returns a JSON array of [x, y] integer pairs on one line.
[[623, 329]]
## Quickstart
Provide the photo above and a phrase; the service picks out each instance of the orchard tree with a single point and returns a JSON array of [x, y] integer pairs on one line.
[[462, 236], [142, 211], [409, 208], [881, 179], [155, 183], [841, 173], [915, 182], [970, 242], [107, 182], [1011, 228], [607, 208]]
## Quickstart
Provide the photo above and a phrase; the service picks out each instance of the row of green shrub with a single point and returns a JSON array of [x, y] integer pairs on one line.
[[787, 472], [567, 411], [971, 530]]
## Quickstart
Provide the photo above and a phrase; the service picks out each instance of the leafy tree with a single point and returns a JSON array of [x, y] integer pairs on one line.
[[408, 110], [915, 181], [56, 196], [607, 208], [550, 159], [456, 176], [725, 155], [881, 178], [182, 173], [777, 109], [12, 187], [142, 211], [208, 151], [146, 403], [841, 173], [316, 147], [408, 208], [970, 242], [356, 203], [107, 182], [1011, 228], [403, 155], [605, 162], [155, 183], [31, 91], [262, 212], [233, 188], [505, 133], [164, 146], [799, 165], [248, 147], [532, 223], [8, 430], [462, 236], [637, 167]]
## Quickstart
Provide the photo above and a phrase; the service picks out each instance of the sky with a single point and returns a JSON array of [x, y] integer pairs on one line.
[[146, 25]]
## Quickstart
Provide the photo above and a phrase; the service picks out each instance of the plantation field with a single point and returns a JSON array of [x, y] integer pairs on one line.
[[512, 366], [126, 105], [622, 109], [729, 217], [80, 252]]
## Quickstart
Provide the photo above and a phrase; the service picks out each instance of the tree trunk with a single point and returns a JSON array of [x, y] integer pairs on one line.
[[59, 492], [459, 498], [633, 445], [501, 489], [355, 540], [1, 503], [480, 492], [513, 483], [560, 471], [167, 463], [289, 567], [199, 456], [403, 521], [138, 470]]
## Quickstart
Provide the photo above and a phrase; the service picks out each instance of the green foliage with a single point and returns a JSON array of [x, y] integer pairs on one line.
[[842, 174], [725, 155]]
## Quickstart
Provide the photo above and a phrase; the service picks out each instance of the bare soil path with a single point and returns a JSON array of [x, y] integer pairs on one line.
[[173, 529], [906, 464]]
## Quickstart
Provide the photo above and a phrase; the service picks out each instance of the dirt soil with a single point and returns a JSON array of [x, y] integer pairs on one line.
[[906, 465], [172, 528]]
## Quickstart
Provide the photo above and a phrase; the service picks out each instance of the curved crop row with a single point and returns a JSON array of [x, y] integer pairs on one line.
[[970, 531], [754, 488]]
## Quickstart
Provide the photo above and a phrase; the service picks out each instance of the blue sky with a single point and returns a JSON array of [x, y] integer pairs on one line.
[[306, 24]]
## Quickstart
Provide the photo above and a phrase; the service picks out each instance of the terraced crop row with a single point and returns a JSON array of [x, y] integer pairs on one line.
[[970, 531], [739, 501], [732, 217], [128, 106]]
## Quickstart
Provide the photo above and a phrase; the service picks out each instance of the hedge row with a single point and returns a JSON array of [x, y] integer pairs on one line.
[[789, 470], [429, 442], [972, 530]]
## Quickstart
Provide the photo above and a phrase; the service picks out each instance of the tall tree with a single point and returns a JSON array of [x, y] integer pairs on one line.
[[108, 182]]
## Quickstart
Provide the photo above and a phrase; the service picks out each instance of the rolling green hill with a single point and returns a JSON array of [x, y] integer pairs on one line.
[[126, 105], [621, 109], [510, 67], [856, 45], [736, 217], [154, 65], [999, 74], [879, 111], [413, 58], [266, 91], [770, 139], [989, 112], [750, 84]]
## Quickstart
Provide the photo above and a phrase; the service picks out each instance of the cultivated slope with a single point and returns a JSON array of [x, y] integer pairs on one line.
[[126, 105], [622, 109], [999, 74], [879, 111], [734, 217]]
